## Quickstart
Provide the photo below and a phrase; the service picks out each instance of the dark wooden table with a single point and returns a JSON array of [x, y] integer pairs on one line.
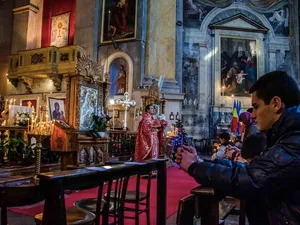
[[53, 185]]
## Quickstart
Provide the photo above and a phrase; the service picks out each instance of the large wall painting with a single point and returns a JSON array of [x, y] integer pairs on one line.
[[279, 20], [238, 66], [119, 18], [88, 106], [194, 13], [60, 30], [118, 77]]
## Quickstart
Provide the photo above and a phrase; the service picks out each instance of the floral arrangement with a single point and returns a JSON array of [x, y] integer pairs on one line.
[[99, 122], [21, 119]]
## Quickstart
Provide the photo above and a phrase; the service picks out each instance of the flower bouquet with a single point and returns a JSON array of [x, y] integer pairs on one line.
[[21, 119], [100, 123]]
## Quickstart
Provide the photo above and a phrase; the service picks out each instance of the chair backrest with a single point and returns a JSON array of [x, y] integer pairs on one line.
[[119, 186], [137, 188], [186, 210]]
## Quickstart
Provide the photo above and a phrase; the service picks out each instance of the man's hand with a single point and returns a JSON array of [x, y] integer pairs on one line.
[[185, 156]]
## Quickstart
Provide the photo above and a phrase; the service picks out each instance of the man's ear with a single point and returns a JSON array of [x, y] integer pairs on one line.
[[277, 104]]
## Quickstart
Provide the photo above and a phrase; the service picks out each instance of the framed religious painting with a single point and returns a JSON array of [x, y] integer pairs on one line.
[[60, 30], [119, 19], [238, 66], [32, 102], [57, 108], [118, 77]]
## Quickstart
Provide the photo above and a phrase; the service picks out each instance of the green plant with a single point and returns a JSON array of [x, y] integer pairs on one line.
[[99, 122]]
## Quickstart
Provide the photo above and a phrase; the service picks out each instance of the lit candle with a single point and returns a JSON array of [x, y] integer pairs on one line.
[[10, 101], [47, 120], [28, 125], [109, 15], [223, 90], [6, 102], [14, 101]]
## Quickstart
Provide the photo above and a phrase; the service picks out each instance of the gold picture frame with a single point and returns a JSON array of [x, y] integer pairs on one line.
[[113, 27]]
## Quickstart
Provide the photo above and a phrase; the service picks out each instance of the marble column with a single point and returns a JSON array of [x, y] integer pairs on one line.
[[87, 25], [205, 86], [272, 59], [27, 25], [179, 42], [294, 7], [161, 39]]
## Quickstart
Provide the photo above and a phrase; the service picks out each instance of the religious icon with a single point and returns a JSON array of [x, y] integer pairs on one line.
[[119, 22], [118, 77], [238, 66], [88, 105], [57, 108], [29, 103]]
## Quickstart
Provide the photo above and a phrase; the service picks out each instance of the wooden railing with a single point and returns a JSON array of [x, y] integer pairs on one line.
[[122, 143]]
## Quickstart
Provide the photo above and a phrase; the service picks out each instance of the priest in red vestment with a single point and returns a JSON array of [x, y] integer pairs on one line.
[[147, 142]]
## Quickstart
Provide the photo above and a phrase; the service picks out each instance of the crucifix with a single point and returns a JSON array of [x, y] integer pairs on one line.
[[126, 103]]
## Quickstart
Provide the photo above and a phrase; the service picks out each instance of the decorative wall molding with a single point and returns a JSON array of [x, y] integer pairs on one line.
[[28, 82], [56, 79], [26, 8], [89, 68], [14, 81]]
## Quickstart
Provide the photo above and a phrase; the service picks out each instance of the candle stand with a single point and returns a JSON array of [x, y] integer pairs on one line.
[[38, 151]]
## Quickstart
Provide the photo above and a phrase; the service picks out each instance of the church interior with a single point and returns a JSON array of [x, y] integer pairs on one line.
[[76, 76]]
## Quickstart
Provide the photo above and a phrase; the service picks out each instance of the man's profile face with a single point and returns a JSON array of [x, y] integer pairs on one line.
[[263, 114], [151, 110]]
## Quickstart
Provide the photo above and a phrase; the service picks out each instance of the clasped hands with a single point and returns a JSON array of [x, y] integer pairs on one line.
[[186, 156]]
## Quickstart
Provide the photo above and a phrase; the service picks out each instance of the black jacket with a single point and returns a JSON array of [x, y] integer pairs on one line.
[[273, 177]]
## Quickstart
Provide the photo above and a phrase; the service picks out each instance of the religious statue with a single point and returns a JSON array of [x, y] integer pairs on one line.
[[121, 80], [154, 90]]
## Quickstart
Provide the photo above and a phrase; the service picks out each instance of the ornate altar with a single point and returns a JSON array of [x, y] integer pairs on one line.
[[87, 93]]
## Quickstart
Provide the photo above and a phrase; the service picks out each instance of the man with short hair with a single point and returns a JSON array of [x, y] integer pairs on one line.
[[273, 178]]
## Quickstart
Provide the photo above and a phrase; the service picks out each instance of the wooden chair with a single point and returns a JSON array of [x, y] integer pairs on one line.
[[186, 211], [141, 200], [80, 216]]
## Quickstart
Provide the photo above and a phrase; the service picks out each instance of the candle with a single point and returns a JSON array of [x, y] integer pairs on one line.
[[109, 15], [28, 125], [6, 101], [47, 120], [14, 101]]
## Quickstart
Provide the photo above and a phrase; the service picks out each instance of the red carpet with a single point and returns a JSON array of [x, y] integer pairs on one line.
[[179, 185]]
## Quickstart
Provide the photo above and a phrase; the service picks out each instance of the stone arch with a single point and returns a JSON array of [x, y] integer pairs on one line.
[[129, 61], [217, 11]]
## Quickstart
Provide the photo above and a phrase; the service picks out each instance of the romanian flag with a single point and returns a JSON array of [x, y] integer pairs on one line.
[[238, 110], [235, 118]]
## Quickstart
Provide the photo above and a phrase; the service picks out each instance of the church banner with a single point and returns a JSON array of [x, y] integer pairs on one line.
[[60, 30], [119, 20]]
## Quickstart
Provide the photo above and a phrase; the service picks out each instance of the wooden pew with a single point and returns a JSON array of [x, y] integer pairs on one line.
[[53, 185]]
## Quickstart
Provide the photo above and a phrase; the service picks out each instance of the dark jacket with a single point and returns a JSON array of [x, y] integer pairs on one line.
[[273, 178]]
